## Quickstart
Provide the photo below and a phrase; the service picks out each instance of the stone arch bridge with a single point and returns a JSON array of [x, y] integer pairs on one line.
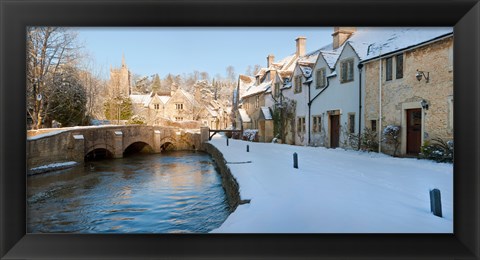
[[76, 143]]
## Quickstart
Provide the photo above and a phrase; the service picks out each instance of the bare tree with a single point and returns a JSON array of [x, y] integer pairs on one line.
[[48, 50], [90, 78]]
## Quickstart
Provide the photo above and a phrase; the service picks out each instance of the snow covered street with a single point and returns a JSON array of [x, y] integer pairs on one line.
[[333, 191]]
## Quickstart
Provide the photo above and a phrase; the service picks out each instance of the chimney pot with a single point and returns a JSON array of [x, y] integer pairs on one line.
[[341, 35], [301, 42], [270, 59]]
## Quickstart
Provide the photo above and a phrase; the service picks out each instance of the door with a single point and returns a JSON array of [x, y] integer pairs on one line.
[[414, 131], [334, 130]]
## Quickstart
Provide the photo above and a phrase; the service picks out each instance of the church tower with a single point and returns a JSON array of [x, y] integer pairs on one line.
[[120, 79]]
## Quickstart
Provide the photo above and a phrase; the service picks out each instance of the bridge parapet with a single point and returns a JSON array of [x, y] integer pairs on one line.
[[73, 144]]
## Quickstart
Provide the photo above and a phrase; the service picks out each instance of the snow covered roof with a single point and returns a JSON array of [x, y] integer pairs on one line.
[[244, 82], [306, 71], [187, 95], [244, 115], [141, 99], [330, 57], [255, 89], [370, 43], [285, 63], [266, 113], [164, 99], [309, 57]]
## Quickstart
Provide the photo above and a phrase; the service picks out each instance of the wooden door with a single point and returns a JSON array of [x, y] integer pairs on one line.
[[414, 130], [334, 130]]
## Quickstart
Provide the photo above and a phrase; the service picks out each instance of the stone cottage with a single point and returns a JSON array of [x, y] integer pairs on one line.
[[415, 82]]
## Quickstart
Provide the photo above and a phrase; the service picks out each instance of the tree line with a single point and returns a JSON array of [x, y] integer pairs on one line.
[[65, 86]]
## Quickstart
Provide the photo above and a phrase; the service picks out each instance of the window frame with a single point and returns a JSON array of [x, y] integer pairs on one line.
[[389, 68], [316, 124], [346, 71], [297, 81], [179, 106], [351, 123], [399, 67], [321, 74], [373, 123], [301, 124]]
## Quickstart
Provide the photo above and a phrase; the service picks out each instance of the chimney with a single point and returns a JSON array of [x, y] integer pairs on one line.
[[341, 34], [301, 41], [270, 59]]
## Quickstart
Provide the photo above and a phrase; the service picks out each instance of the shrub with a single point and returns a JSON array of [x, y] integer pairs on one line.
[[250, 135], [136, 120], [437, 150], [391, 135], [369, 140]]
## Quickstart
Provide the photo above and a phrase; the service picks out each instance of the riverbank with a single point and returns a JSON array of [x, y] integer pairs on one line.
[[333, 191], [51, 167]]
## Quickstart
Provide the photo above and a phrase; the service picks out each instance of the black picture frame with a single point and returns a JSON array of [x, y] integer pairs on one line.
[[464, 15]]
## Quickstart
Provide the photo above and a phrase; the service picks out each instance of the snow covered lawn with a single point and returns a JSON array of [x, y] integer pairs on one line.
[[334, 191]]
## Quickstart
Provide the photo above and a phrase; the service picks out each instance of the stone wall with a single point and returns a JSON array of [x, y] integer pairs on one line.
[[62, 147], [229, 182], [407, 92]]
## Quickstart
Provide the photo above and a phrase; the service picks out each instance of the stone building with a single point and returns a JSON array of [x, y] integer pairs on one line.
[[258, 96], [168, 104], [416, 86], [120, 80]]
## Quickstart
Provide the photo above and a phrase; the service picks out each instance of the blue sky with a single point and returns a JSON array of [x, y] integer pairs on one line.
[[183, 50]]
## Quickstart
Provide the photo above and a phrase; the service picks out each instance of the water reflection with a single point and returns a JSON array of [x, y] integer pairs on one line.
[[179, 192]]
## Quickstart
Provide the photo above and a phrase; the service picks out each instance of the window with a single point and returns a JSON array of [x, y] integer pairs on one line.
[[179, 106], [277, 89], [257, 101], [388, 69], [178, 118], [346, 71], [317, 123], [321, 79], [399, 66], [373, 125], [301, 124], [156, 106], [298, 84], [351, 123]]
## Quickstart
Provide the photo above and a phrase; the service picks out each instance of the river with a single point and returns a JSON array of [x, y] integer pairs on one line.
[[176, 192]]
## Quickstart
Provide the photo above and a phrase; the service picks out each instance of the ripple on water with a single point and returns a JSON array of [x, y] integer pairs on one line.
[[178, 192]]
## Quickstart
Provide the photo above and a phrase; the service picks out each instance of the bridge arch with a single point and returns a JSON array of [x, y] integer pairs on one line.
[[138, 147], [99, 151]]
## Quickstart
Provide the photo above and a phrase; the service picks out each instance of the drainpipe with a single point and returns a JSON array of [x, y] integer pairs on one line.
[[309, 82], [310, 101], [380, 101], [360, 66]]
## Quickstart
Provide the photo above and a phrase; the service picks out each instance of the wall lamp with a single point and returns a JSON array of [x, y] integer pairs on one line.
[[424, 104], [422, 73]]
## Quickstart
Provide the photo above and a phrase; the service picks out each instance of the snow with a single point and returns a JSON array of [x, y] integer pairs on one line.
[[52, 167], [244, 115], [250, 134], [331, 58], [255, 89], [371, 42], [266, 113], [40, 136], [334, 191], [164, 99], [307, 71]]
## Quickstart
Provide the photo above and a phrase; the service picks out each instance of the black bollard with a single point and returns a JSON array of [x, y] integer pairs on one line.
[[248, 148], [295, 160], [436, 202], [227, 141]]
